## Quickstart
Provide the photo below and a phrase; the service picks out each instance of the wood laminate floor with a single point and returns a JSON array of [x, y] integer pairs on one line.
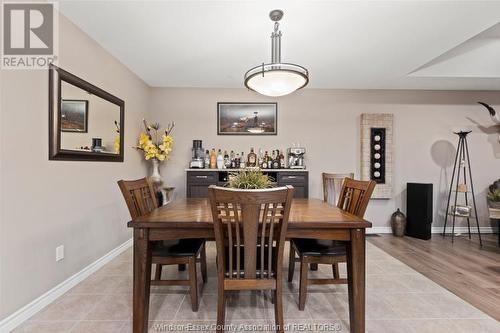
[[463, 267]]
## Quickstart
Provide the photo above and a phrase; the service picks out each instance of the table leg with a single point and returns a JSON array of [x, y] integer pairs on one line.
[[356, 280], [142, 280]]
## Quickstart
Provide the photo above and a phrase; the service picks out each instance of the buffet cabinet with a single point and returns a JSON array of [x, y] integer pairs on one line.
[[198, 180]]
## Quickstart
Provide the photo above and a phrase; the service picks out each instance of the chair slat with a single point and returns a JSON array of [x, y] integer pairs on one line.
[[270, 244], [263, 239], [355, 196]]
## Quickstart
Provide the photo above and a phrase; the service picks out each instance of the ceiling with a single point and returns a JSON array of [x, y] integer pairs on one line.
[[450, 45]]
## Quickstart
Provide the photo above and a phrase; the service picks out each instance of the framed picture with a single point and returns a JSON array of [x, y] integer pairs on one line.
[[74, 115], [247, 118]]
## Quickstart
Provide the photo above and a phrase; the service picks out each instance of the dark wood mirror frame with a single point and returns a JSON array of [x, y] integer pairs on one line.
[[56, 75]]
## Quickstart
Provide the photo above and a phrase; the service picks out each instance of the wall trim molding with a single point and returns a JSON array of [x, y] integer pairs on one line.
[[27, 311], [436, 230]]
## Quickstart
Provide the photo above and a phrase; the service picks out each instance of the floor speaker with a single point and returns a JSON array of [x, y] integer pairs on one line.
[[418, 210]]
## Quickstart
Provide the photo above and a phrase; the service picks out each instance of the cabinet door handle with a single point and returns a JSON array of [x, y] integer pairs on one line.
[[205, 177], [291, 177]]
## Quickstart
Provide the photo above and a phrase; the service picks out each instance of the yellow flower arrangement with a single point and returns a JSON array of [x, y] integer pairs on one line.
[[116, 142], [153, 146]]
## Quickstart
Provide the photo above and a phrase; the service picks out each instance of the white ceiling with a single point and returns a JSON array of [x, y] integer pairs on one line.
[[344, 44]]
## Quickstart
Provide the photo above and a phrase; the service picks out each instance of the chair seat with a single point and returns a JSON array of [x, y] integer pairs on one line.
[[177, 248], [319, 247]]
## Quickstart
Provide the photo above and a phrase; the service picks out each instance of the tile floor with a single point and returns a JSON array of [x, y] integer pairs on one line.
[[399, 299]]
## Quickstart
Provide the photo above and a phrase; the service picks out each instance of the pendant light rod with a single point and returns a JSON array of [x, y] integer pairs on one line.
[[276, 45], [276, 15]]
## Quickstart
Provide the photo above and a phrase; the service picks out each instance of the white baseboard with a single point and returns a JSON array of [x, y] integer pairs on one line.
[[21, 315], [463, 230], [436, 230]]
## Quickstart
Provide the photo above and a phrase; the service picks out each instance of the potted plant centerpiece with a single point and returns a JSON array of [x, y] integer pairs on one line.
[[156, 146], [250, 179]]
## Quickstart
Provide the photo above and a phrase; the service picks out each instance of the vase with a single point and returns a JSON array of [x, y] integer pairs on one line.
[[155, 172], [398, 223]]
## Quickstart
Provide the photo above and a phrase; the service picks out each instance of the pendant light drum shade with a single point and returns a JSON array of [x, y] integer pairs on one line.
[[276, 79]]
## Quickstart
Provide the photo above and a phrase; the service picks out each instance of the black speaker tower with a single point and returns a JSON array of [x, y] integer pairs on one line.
[[419, 210]]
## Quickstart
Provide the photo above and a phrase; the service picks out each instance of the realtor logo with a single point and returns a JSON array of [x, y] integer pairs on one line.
[[29, 40]]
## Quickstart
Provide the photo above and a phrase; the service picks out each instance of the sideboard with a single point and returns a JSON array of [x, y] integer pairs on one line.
[[198, 180]]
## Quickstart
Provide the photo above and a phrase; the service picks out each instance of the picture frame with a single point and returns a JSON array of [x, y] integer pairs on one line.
[[74, 115], [247, 118]]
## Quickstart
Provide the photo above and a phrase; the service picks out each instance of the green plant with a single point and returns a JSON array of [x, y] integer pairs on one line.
[[494, 195], [250, 179]]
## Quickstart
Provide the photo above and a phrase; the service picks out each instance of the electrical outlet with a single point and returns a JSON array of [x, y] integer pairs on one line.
[[60, 253]]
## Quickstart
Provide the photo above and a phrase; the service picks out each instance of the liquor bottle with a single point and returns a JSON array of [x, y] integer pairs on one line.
[[271, 161], [265, 161], [237, 161], [276, 159], [220, 160], [213, 159], [227, 161], [207, 159], [242, 161], [282, 160], [260, 159], [252, 159], [231, 160]]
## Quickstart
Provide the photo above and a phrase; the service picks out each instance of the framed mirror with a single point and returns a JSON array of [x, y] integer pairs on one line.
[[86, 123]]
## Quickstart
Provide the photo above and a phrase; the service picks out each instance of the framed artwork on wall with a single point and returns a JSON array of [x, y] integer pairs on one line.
[[376, 152], [247, 118], [74, 115]]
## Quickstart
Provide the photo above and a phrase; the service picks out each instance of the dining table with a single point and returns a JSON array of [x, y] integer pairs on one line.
[[192, 218]]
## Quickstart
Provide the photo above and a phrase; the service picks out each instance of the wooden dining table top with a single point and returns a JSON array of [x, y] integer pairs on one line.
[[196, 213]]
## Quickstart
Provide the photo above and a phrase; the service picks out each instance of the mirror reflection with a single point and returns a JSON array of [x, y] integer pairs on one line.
[[88, 123]]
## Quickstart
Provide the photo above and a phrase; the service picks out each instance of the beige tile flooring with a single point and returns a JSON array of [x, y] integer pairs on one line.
[[399, 299]]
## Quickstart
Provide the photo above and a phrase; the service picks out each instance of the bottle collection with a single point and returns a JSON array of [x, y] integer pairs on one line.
[[234, 160]]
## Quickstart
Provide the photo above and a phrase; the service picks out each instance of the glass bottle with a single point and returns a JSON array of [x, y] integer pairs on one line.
[[213, 159], [260, 160], [220, 160], [227, 161], [207, 159], [276, 159], [237, 161], [282, 160], [252, 159], [242, 161], [265, 161]]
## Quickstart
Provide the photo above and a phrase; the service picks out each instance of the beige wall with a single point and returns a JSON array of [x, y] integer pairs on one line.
[[50, 203], [326, 122]]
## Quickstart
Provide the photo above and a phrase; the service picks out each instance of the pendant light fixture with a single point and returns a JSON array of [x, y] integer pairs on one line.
[[276, 78]]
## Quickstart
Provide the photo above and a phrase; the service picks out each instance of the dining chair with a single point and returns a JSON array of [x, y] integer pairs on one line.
[[332, 185], [354, 198], [250, 228], [141, 199]]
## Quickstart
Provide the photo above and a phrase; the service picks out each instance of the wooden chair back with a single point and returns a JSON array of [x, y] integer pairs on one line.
[[139, 195], [332, 185], [355, 196], [247, 223]]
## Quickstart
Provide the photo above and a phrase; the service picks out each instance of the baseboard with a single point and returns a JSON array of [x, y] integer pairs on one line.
[[463, 230], [436, 230], [21, 315]]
